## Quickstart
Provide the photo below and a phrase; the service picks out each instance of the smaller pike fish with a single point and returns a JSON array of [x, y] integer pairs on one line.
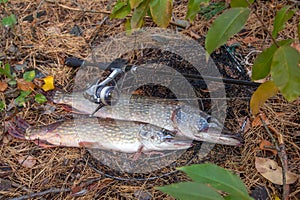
[[122, 136], [171, 115]]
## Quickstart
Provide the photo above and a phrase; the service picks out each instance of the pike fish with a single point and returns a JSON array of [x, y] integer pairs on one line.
[[105, 134], [171, 115]]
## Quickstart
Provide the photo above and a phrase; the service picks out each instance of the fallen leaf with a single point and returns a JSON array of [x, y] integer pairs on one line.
[[49, 83], [296, 46], [266, 146], [3, 86], [271, 171], [257, 122], [76, 189], [25, 85], [27, 161]]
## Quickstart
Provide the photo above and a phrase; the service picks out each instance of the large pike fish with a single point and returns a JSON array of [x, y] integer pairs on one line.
[[171, 115], [122, 136]]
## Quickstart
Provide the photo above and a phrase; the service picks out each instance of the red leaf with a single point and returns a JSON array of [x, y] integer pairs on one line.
[[3, 86], [25, 85], [264, 144]]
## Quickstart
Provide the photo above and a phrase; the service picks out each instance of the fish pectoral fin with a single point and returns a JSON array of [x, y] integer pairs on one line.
[[70, 109], [138, 154], [93, 145]]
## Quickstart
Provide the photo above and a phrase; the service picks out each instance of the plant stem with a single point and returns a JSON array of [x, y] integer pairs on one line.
[[264, 26]]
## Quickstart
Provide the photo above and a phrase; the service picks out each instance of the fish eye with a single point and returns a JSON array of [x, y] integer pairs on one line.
[[208, 119]]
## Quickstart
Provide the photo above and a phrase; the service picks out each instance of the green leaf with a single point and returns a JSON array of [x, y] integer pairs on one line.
[[12, 82], [226, 25], [282, 16], [39, 98], [262, 93], [262, 64], [135, 3], [138, 15], [7, 68], [285, 71], [29, 76], [240, 3], [161, 12], [194, 8], [191, 191], [9, 21], [2, 106], [121, 10], [21, 99], [6, 71], [218, 178], [3, 1]]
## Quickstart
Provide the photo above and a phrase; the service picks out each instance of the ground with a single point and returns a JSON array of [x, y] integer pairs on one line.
[[45, 42]]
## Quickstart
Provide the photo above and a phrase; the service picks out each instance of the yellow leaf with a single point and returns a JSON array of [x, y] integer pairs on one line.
[[49, 83], [262, 93]]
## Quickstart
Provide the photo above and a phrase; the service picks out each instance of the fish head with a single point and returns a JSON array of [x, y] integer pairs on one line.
[[195, 122], [46, 134], [158, 139], [201, 126]]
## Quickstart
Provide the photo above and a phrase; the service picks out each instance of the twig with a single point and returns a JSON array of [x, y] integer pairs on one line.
[[283, 159], [282, 156], [270, 134], [37, 194]]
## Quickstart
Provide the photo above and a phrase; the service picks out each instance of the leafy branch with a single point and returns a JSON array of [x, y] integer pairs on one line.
[[280, 61], [209, 181]]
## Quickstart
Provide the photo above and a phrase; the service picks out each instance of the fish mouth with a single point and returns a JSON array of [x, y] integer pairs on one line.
[[180, 141], [218, 137]]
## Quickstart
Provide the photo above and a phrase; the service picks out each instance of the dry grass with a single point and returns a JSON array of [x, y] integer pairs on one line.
[[45, 43]]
